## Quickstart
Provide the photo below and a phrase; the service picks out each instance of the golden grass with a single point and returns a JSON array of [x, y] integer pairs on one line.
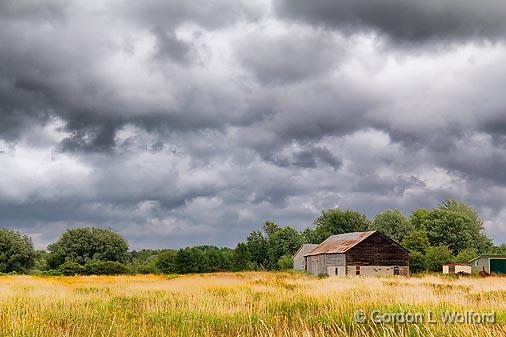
[[240, 304]]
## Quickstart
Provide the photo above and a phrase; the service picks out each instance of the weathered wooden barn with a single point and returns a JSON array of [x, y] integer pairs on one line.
[[298, 258], [362, 253]]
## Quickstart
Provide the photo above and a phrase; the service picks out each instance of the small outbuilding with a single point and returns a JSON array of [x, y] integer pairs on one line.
[[491, 264], [298, 258], [456, 268], [361, 253]]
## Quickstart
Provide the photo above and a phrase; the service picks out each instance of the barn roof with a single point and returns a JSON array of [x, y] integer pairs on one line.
[[306, 248], [340, 243], [498, 256]]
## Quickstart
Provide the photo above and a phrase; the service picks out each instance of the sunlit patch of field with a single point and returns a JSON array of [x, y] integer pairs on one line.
[[240, 304]]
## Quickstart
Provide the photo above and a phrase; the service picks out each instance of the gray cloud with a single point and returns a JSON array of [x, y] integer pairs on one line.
[[182, 123], [405, 21]]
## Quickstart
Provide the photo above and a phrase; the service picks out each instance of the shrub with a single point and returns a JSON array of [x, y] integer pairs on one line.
[[437, 256], [97, 267], [285, 262], [71, 268], [416, 262]]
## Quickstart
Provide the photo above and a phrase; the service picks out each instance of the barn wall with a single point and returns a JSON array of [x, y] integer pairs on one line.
[[377, 270], [335, 260], [377, 250], [317, 264]]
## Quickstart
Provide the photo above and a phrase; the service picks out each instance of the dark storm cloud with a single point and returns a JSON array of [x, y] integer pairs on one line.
[[187, 122], [404, 20]]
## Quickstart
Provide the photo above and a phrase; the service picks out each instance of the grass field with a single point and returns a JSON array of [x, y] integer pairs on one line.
[[241, 304]]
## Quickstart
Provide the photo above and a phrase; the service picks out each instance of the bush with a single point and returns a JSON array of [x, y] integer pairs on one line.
[[97, 267], [71, 268], [416, 262], [437, 256], [285, 262]]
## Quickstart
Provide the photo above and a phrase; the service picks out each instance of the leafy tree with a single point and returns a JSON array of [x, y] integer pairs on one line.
[[219, 259], [242, 257], [16, 251], [270, 228], [475, 227], [285, 262], [417, 241], [437, 256], [309, 236], [257, 247], [336, 221], [166, 262], [143, 261], [498, 250], [70, 268], [466, 255], [419, 218], [285, 241], [416, 262], [86, 244], [393, 224], [40, 262], [191, 260], [446, 227]]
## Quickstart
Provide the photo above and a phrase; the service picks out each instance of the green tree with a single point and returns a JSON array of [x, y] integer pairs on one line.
[[498, 250], [257, 247], [285, 241], [466, 255], [242, 258], [285, 262], [40, 262], [336, 221], [166, 262], [309, 236], [393, 224], [270, 228], [437, 256], [191, 260], [481, 243], [16, 251], [417, 241], [416, 262], [86, 244], [446, 227], [419, 218]]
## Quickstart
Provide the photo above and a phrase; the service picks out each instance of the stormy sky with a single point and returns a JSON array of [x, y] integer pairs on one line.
[[192, 122]]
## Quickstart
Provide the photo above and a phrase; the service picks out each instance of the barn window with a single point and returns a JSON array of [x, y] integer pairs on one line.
[[357, 270], [337, 273], [397, 270], [476, 263]]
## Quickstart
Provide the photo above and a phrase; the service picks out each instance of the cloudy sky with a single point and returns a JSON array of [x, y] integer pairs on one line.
[[189, 122]]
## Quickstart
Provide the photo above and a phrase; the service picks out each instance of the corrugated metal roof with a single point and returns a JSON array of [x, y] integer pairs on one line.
[[340, 243]]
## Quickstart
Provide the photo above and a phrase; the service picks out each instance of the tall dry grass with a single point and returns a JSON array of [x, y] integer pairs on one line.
[[241, 304]]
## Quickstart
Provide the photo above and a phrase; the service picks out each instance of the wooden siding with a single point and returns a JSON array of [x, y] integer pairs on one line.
[[335, 260], [377, 250]]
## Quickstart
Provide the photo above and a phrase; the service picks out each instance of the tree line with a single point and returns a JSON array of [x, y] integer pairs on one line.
[[451, 232]]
